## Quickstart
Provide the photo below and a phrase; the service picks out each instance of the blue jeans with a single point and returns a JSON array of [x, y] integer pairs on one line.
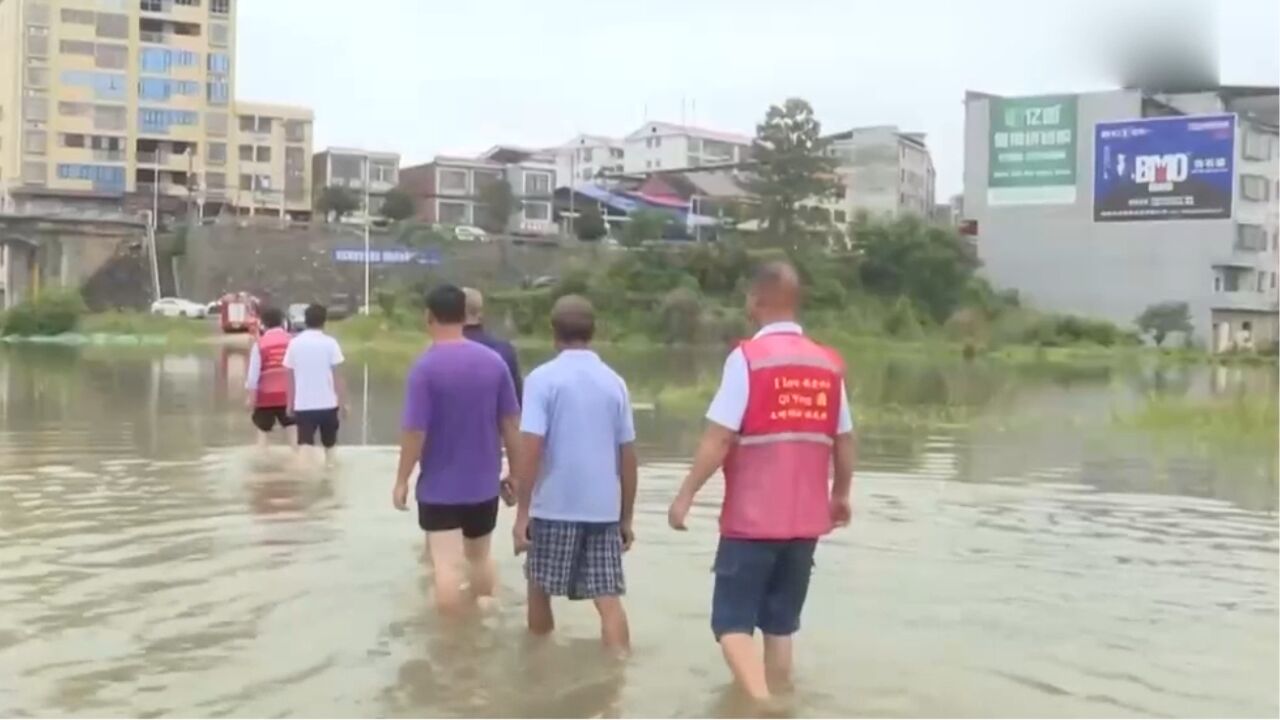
[[760, 584]]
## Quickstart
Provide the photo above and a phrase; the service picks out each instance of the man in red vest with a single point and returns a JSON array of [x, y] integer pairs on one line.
[[778, 424], [267, 384]]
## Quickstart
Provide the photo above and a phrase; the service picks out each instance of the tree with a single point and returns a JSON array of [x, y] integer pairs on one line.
[[644, 225], [337, 200], [397, 205], [1161, 319], [589, 225], [792, 166], [497, 204], [931, 266]]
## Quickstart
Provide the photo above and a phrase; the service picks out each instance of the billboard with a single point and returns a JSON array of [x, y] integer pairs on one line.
[[430, 256], [1173, 168], [1032, 151]]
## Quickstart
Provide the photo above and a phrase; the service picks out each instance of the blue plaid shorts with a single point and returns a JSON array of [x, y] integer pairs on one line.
[[577, 560]]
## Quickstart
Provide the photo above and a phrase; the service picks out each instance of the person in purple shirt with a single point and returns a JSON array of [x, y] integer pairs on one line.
[[475, 332], [460, 407]]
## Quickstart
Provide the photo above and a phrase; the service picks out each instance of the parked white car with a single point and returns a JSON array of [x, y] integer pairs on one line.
[[178, 307], [470, 233]]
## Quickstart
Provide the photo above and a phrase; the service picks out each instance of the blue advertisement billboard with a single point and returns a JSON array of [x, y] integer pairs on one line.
[[1173, 168]]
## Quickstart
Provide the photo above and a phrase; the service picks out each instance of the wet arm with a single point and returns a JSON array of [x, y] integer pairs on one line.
[[630, 472], [255, 372], [288, 389], [712, 450], [525, 471], [846, 455], [411, 442]]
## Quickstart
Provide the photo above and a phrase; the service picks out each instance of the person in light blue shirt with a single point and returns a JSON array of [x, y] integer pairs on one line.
[[576, 478]]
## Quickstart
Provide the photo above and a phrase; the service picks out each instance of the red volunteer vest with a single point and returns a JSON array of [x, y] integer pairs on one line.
[[272, 382], [778, 474]]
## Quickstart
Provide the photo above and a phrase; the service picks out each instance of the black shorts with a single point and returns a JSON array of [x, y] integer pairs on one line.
[[474, 519], [309, 421], [265, 418]]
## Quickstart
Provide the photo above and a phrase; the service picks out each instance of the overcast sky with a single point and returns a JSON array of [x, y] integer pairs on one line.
[[423, 77]]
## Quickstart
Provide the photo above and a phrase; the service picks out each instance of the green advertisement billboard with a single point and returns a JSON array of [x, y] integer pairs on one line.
[[1032, 146]]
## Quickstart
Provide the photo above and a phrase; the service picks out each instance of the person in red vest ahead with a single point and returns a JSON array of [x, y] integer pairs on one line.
[[267, 391], [779, 419]]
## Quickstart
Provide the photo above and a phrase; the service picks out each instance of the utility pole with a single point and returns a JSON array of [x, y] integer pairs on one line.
[[366, 233]]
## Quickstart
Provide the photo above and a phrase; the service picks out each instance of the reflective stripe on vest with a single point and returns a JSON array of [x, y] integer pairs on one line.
[[786, 437], [797, 360]]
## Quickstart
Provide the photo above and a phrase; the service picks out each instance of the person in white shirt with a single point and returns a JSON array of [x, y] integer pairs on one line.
[[317, 393]]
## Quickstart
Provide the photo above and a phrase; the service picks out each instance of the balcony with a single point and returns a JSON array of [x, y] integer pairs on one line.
[[1248, 300]]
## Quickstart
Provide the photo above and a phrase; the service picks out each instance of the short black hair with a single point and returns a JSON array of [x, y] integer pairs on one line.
[[447, 304], [315, 316], [272, 317], [573, 320]]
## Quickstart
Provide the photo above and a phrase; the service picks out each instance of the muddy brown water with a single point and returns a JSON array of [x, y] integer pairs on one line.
[[1023, 556]]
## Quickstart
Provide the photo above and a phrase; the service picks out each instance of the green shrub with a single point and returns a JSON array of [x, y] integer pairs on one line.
[[680, 316], [902, 321], [52, 312]]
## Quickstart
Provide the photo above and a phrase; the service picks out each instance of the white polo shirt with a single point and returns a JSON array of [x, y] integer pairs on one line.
[[729, 405], [312, 356]]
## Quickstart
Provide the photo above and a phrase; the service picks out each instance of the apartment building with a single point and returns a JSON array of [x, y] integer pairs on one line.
[[666, 146], [1104, 203], [586, 157], [883, 172], [349, 168], [272, 146], [101, 99], [448, 190]]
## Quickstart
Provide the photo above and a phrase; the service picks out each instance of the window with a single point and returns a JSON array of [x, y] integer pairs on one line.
[[35, 172], [264, 153], [108, 86], [255, 124], [108, 117], [38, 13], [295, 131], [537, 211], [74, 109], [215, 180], [115, 57], [1273, 281], [80, 17], [453, 181], [483, 178], [216, 153], [187, 3], [1254, 187], [218, 93], [75, 47], [215, 124], [107, 177], [153, 89], [615, 153], [1262, 281], [451, 213], [584, 155], [657, 142], [382, 172], [219, 63], [37, 42], [246, 153], [35, 108], [220, 7], [186, 58], [72, 140], [34, 142], [155, 6], [1257, 146], [218, 34], [537, 183], [1251, 238], [158, 121], [112, 25], [38, 77], [255, 182]]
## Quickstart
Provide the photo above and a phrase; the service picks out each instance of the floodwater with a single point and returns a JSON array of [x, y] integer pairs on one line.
[[1014, 552]]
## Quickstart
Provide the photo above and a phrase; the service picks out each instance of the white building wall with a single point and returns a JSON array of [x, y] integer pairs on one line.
[[586, 156]]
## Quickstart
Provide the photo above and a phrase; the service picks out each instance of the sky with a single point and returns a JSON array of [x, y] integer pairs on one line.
[[427, 77]]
